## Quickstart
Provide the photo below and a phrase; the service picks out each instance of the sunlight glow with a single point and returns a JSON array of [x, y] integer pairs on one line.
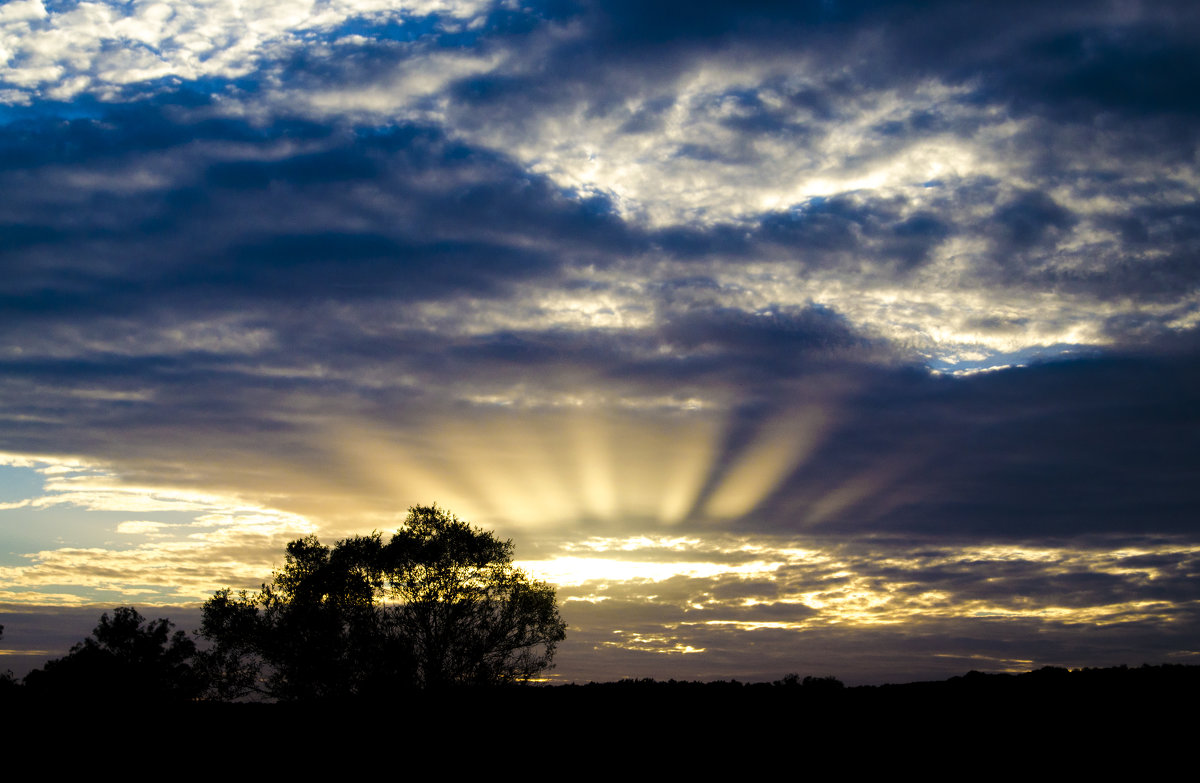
[[565, 571], [780, 446], [653, 643], [573, 464]]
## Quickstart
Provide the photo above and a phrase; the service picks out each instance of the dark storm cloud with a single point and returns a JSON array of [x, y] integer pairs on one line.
[[221, 216], [1058, 450], [1073, 59], [825, 231], [1076, 62], [1099, 444], [887, 235], [1104, 444], [764, 337], [1145, 68], [96, 374], [1026, 221]]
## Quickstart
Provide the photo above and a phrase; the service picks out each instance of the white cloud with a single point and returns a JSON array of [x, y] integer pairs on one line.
[[763, 582], [21, 11], [222, 540], [100, 46]]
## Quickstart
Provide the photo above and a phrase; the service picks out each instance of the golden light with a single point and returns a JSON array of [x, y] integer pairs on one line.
[[781, 445], [611, 462]]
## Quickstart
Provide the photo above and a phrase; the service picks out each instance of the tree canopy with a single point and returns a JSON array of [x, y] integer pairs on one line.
[[440, 604], [125, 658]]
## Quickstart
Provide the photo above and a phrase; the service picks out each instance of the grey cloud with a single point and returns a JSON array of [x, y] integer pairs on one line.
[[211, 232], [1072, 60], [746, 588], [1096, 444], [853, 230], [919, 650], [1028, 220]]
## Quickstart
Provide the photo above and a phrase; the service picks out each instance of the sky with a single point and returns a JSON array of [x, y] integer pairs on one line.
[[842, 338]]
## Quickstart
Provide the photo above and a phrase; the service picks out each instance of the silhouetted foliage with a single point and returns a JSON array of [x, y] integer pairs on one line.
[[440, 604], [470, 616], [315, 632], [6, 677], [824, 684], [126, 658]]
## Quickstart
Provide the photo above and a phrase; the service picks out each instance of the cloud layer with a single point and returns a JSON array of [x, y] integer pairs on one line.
[[893, 283]]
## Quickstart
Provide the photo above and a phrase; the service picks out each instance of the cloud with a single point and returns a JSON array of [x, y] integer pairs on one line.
[[825, 272], [903, 195], [114, 49], [851, 601], [192, 538]]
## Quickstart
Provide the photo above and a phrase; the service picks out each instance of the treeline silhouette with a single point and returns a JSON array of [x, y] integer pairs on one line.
[[134, 675], [438, 606], [130, 659], [436, 624]]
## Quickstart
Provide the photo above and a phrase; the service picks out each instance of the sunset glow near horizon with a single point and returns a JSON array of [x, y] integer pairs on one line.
[[849, 338]]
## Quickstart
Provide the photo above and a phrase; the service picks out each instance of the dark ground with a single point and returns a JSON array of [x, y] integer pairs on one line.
[[1134, 718]]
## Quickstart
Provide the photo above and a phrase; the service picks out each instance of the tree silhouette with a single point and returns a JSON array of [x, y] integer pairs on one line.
[[440, 604], [315, 632], [125, 658], [470, 616]]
